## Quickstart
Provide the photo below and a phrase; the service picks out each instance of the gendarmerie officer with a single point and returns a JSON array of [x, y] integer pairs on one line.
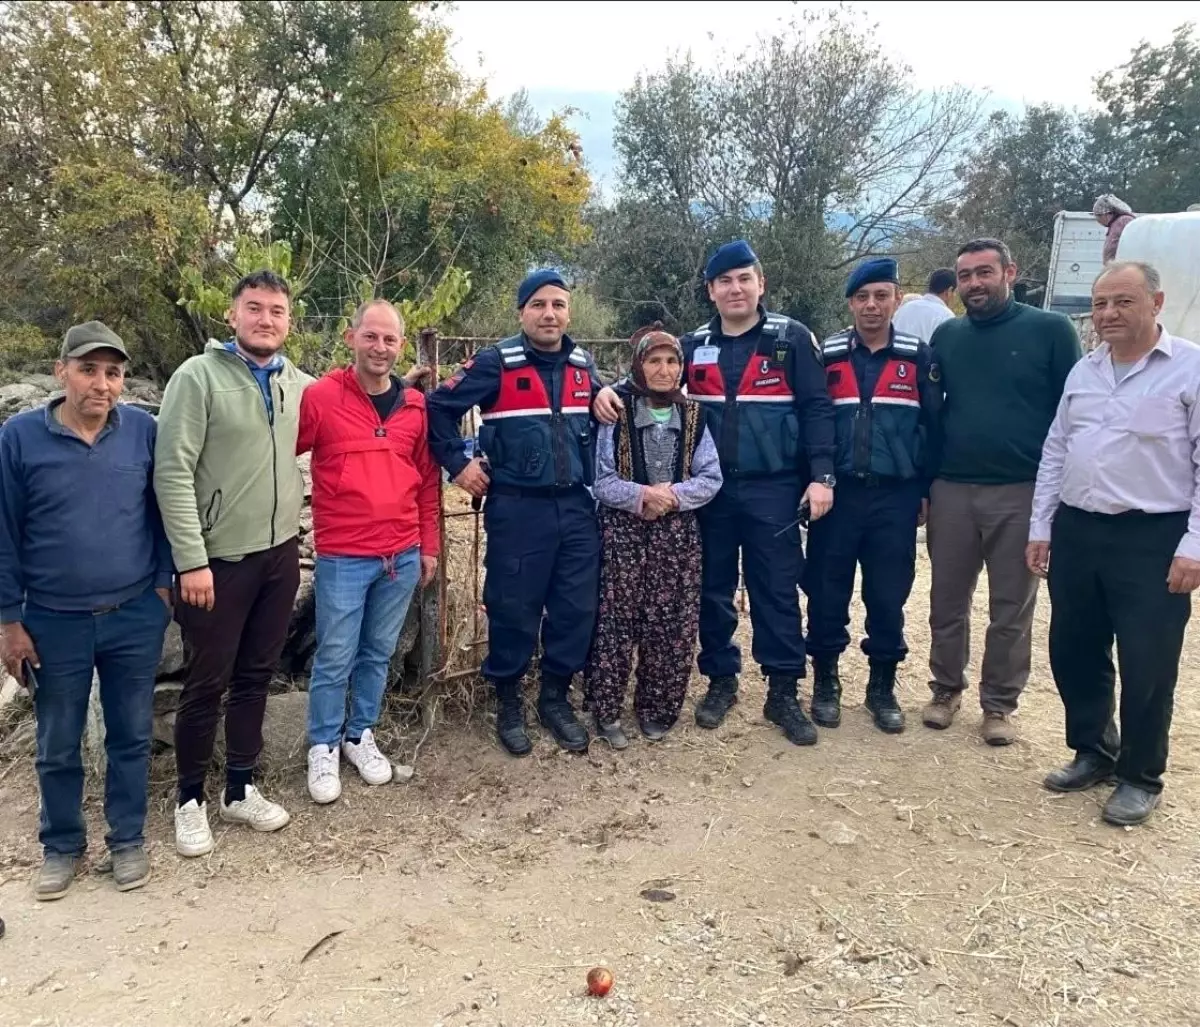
[[760, 380], [535, 391], [886, 410]]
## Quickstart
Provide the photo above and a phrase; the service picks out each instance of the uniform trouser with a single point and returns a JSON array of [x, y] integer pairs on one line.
[[753, 516], [543, 557], [234, 648], [1108, 578], [123, 646], [971, 526], [874, 526], [649, 604]]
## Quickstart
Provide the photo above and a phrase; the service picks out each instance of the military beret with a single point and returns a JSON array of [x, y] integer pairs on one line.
[[732, 255], [534, 281], [879, 269]]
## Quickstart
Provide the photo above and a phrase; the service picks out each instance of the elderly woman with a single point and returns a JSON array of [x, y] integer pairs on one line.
[[1114, 214], [654, 468]]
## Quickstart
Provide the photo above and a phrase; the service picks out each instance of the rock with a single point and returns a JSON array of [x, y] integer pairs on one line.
[[19, 396], [838, 833], [171, 663], [285, 730]]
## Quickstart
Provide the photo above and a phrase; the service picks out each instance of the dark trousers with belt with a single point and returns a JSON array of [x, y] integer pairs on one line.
[[872, 525], [234, 648], [1108, 578], [543, 557], [756, 517]]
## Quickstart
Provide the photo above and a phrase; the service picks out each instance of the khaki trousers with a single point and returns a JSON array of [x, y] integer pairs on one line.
[[970, 527]]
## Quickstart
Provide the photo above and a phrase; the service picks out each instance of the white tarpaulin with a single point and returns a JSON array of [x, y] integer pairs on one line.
[[1170, 242]]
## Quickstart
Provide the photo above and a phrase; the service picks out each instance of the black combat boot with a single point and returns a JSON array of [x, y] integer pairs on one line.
[[783, 708], [827, 691], [717, 702], [510, 718], [555, 713], [881, 698]]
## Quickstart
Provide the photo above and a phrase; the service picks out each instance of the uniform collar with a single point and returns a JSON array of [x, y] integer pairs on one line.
[[856, 342], [568, 344], [714, 326]]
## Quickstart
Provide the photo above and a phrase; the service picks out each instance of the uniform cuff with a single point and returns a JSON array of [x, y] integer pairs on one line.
[[454, 467], [820, 466], [11, 614]]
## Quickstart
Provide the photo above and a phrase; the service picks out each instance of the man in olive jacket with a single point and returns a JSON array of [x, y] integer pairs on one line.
[[230, 494]]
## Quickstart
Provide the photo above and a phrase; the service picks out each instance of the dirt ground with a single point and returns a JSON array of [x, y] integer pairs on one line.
[[923, 879]]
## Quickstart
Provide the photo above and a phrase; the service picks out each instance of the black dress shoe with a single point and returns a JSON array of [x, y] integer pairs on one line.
[[1083, 772], [1130, 805], [510, 726], [717, 702], [827, 692]]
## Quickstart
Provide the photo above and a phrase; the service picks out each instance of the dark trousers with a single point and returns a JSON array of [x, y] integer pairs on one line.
[[123, 646], [234, 648], [752, 516], [649, 605], [543, 557], [1108, 578], [874, 526]]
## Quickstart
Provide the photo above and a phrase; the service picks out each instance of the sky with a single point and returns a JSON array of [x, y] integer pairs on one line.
[[583, 54]]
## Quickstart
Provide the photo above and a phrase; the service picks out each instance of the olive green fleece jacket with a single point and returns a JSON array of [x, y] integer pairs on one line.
[[224, 471]]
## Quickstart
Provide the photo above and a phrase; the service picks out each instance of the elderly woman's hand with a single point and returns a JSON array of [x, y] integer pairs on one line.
[[658, 500]]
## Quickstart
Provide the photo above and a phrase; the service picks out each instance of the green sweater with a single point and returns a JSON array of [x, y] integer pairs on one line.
[[224, 470], [1003, 378]]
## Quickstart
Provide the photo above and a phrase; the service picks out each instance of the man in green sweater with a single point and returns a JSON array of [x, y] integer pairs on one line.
[[230, 494], [1002, 368]]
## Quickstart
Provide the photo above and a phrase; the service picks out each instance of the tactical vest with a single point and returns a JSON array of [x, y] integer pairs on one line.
[[533, 440], [756, 429], [631, 455], [880, 434]]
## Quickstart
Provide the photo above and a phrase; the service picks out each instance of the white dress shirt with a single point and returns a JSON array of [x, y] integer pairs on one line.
[[1127, 445], [921, 316]]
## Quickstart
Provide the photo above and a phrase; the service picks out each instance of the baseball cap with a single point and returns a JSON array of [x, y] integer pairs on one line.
[[89, 336]]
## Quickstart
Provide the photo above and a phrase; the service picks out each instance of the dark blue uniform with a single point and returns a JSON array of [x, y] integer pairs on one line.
[[543, 552], [886, 412], [768, 410]]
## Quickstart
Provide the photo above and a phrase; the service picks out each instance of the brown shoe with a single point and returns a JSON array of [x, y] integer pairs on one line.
[[997, 729], [939, 711]]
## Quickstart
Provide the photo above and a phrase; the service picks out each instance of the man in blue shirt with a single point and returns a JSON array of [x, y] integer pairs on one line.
[[85, 585]]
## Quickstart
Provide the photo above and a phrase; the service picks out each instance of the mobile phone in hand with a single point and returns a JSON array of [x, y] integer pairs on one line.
[[29, 677]]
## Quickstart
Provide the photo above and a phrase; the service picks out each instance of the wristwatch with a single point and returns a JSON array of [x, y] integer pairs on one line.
[[828, 480]]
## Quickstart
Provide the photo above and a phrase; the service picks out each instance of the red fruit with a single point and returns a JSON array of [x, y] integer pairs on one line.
[[599, 981]]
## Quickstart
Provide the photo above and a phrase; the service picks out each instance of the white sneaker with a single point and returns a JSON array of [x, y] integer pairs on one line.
[[324, 785], [256, 810], [193, 836], [373, 766]]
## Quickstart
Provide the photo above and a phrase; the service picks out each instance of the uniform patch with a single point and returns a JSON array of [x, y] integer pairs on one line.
[[578, 377], [761, 383], [765, 366], [585, 394], [781, 354], [454, 379], [835, 376], [902, 371], [935, 373], [469, 364]]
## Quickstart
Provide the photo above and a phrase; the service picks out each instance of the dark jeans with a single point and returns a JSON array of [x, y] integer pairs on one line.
[[234, 647], [123, 646], [1108, 578]]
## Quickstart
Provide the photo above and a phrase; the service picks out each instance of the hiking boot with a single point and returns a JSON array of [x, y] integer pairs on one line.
[[557, 716], [783, 709], [939, 711], [130, 867], [827, 691], [510, 718], [998, 729], [720, 698], [1129, 805], [55, 877], [364, 755], [1086, 770], [612, 733], [881, 698]]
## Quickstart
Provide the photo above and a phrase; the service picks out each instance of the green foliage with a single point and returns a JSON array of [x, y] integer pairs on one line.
[[23, 347]]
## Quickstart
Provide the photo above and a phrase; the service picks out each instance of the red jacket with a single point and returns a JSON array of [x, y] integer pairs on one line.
[[375, 489]]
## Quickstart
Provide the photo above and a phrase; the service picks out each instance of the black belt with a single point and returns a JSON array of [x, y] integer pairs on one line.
[[547, 492]]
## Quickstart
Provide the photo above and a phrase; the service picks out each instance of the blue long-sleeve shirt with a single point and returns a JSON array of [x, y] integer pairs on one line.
[[79, 525]]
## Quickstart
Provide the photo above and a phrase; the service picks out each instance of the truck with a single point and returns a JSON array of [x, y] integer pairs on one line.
[[1169, 242]]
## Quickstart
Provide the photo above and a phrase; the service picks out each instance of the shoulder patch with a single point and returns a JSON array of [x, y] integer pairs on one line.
[[578, 357]]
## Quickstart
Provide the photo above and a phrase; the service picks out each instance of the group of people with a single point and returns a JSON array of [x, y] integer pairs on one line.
[[620, 519]]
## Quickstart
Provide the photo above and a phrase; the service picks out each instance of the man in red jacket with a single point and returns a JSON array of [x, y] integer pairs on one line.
[[376, 509]]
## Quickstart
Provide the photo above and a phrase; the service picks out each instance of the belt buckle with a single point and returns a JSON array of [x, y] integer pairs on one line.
[[100, 611]]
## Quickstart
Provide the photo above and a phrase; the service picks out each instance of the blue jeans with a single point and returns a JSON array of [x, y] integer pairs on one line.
[[124, 647], [361, 606]]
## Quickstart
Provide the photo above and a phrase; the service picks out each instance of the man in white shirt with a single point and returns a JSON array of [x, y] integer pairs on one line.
[[922, 315], [1118, 505]]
